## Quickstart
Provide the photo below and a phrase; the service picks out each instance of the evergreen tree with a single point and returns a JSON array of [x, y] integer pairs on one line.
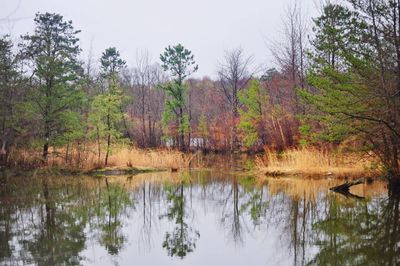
[[9, 96], [338, 29], [107, 112], [52, 51], [252, 114], [179, 61], [111, 65], [360, 97]]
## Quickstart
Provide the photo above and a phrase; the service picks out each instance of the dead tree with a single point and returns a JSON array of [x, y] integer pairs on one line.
[[289, 54], [234, 75]]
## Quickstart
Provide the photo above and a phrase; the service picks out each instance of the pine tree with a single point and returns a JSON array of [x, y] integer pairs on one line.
[[359, 97], [252, 114], [52, 50], [179, 61], [9, 90], [107, 113]]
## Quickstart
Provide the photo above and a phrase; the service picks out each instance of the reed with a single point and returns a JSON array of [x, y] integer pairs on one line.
[[150, 158], [315, 162], [86, 158]]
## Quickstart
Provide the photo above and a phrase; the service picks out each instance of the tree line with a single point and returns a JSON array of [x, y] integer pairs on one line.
[[336, 81]]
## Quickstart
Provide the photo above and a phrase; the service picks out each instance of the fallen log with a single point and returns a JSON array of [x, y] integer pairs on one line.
[[343, 188]]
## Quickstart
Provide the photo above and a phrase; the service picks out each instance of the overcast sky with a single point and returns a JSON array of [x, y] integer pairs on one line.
[[207, 27]]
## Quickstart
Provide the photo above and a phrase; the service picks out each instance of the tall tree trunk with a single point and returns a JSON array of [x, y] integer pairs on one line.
[[108, 138], [235, 116], [180, 130], [150, 138], [144, 141], [46, 146], [98, 144], [108, 149]]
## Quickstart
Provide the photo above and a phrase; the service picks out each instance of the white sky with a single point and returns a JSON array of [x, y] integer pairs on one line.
[[207, 27]]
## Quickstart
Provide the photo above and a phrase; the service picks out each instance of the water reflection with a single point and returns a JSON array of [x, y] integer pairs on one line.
[[109, 216], [366, 233], [182, 240], [199, 218]]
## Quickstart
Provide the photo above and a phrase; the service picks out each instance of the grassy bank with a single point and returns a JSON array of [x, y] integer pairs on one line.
[[315, 162], [86, 159], [302, 161]]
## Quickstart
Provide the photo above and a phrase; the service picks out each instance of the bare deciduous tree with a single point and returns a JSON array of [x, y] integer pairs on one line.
[[234, 75], [289, 53], [147, 104]]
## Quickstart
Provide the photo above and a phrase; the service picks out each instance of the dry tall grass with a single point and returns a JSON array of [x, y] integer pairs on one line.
[[314, 162], [121, 156], [150, 158]]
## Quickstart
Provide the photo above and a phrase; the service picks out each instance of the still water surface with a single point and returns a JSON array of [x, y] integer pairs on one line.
[[197, 218]]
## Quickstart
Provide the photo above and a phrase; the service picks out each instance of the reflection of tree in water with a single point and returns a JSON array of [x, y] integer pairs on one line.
[[365, 233], [146, 197], [231, 212], [112, 202], [347, 231], [61, 231], [182, 240], [243, 201], [46, 223], [50, 231], [254, 204], [302, 214], [147, 212], [7, 220], [293, 215]]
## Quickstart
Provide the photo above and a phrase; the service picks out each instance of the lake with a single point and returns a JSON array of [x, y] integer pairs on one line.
[[195, 218]]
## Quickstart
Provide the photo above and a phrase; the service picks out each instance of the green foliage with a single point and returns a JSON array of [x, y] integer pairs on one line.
[[305, 133], [73, 128], [106, 116], [111, 63], [355, 86], [341, 94], [106, 112], [336, 101], [184, 125], [179, 61], [337, 30], [176, 95], [53, 50], [338, 73], [251, 115], [10, 83]]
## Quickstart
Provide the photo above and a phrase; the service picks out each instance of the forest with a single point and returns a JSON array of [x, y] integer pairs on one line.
[[335, 87]]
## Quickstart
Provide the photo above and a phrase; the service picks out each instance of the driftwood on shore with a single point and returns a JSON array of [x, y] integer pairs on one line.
[[346, 186]]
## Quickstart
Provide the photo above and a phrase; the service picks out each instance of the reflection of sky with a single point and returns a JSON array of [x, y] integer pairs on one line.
[[209, 209], [261, 245]]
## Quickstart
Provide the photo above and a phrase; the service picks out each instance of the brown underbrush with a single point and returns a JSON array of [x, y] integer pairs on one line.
[[86, 158], [316, 162]]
